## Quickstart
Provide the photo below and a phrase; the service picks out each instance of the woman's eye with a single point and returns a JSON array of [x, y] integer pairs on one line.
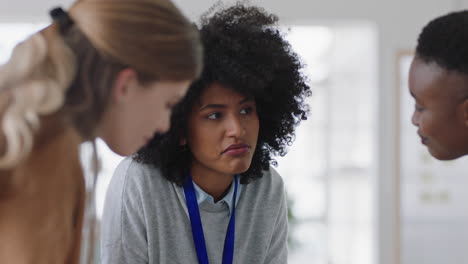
[[214, 116], [246, 111]]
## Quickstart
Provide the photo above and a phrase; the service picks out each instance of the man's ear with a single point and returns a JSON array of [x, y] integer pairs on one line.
[[123, 84]]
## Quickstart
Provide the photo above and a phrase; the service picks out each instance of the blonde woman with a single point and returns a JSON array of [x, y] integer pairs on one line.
[[96, 71]]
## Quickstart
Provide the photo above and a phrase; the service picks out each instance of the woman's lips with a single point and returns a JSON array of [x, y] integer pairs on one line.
[[236, 149], [237, 152]]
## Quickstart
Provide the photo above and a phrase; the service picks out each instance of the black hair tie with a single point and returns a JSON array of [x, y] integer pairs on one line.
[[62, 19]]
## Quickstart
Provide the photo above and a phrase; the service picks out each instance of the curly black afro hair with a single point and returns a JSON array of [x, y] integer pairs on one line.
[[246, 52], [444, 41]]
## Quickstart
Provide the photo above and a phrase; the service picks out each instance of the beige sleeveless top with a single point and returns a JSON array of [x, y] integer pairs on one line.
[[42, 201]]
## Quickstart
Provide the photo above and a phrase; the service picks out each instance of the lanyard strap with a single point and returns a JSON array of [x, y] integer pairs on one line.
[[197, 228]]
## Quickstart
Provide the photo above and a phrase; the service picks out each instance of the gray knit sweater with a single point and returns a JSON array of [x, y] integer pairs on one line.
[[146, 221]]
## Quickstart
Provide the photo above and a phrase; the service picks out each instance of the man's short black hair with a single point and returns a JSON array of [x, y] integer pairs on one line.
[[444, 41]]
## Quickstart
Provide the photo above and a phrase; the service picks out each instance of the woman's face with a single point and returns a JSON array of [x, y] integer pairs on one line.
[[139, 111], [223, 130]]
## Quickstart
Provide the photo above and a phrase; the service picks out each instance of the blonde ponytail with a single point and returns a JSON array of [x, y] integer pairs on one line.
[[35, 79]]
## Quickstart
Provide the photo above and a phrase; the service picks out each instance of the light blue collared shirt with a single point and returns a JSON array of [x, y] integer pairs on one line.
[[227, 199]]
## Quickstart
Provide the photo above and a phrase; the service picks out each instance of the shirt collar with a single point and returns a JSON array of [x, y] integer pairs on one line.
[[227, 199]]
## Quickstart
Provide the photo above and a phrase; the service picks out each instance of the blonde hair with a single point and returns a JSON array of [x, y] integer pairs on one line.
[[151, 36], [75, 70], [34, 80]]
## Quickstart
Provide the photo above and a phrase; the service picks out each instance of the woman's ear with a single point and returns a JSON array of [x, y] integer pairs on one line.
[[464, 108], [124, 84]]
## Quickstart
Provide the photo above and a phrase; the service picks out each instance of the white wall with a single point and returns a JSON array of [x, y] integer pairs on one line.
[[398, 23]]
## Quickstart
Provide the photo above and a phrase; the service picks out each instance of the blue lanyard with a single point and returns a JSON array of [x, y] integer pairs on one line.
[[197, 228]]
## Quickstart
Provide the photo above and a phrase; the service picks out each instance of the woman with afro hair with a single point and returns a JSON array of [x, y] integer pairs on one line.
[[205, 192]]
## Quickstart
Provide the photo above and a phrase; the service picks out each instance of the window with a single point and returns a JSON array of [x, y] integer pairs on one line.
[[328, 170]]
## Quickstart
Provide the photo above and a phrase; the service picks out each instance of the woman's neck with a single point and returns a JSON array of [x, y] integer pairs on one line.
[[212, 182]]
